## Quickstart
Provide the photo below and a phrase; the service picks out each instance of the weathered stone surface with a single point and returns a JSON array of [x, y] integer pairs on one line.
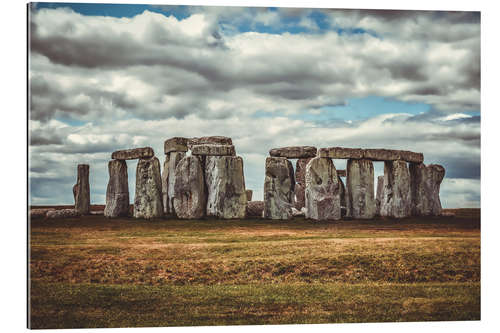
[[189, 189], [225, 182], [133, 154], [174, 159], [341, 152], [371, 154], [255, 208], [360, 201], [299, 196], [300, 171], [396, 199], [279, 186], [213, 150], [380, 193], [117, 195], [298, 213], [164, 184], [249, 195], [322, 190], [175, 144], [62, 213], [81, 190], [294, 152], [211, 140], [425, 185], [148, 198], [38, 213], [341, 173], [343, 193]]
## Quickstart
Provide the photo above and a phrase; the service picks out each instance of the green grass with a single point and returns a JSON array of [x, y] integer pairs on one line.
[[96, 272]]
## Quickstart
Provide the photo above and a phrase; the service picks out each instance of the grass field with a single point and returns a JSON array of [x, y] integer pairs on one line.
[[96, 272]]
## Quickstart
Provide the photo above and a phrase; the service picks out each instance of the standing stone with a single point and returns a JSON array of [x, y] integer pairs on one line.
[[174, 159], [117, 196], [300, 179], [425, 185], [225, 181], [279, 187], [380, 193], [249, 195], [164, 184], [148, 198], [322, 190], [396, 199], [81, 190], [360, 201], [189, 189]]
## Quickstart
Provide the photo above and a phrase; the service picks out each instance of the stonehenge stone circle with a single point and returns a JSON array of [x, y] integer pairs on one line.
[[189, 189], [279, 188], [249, 195], [294, 152], [322, 190], [225, 182], [425, 185], [81, 190], [174, 159], [360, 201], [117, 195], [213, 150], [175, 144], [133, 154], [396, 199], [148, 195], [380, 193], [211, 140]]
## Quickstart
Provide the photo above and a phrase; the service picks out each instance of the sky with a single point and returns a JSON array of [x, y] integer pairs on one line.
[[105, 77]]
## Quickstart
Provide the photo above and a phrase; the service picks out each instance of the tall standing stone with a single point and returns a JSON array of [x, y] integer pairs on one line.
[[81, 190], [189, 189], [225, 181], [148, 197], [164, 184], [425, 185], [300, 179], [380, 193], [174, 158], [279, 187], [117, 196], [396, 200], [360, 201], [322, 190]]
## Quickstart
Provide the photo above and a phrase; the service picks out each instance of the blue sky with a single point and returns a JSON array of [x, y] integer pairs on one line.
[[267, 77]]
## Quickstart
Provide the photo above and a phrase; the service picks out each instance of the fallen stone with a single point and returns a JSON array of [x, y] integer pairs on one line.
[[189, 189], [380, 193], [425, 186], [97, 212], [396, 199], [249, 195], [211, 140], [322, 190], [133, 154], [341, 173], [38, 213], [447, 214], [62, 213], [81, 190], [255, 208], [213, 150], [225, 182], [360, 201], [174, 159], [148, 198], [341, 153], [117, 195], [298, 213], [279, 186], [177, 144], [294, 152]]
